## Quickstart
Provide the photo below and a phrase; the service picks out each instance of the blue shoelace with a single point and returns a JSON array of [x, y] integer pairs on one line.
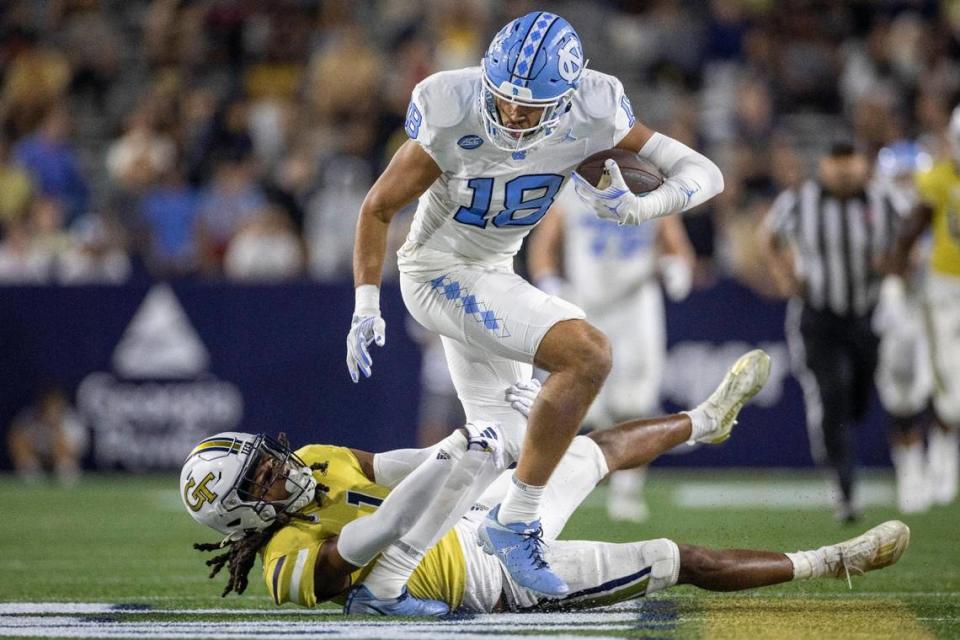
[[535, 546]]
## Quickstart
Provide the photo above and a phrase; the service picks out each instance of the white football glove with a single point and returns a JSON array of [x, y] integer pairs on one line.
[[522, 394], [677, 276], [891, 311], [611, 199], [367, 326]]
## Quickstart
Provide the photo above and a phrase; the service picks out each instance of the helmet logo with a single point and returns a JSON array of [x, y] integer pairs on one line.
[[571, 60], [200, 494]]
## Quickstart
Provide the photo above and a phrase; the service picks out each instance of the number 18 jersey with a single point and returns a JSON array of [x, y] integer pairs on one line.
[[487, 199]]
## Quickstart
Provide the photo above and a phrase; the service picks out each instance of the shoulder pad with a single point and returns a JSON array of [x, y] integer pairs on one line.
[[448, 96], [600, 94]]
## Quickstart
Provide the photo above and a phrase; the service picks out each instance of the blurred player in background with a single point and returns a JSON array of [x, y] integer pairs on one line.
[[610, 271], [938, 189], [824, 244], [490, 147], [904, 375]]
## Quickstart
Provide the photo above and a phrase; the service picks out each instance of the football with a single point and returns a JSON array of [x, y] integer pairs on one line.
[[640, 174]]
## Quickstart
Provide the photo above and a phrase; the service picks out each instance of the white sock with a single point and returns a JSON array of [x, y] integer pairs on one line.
[[522, 503], [808, 564], [700, 424], [394, 567]]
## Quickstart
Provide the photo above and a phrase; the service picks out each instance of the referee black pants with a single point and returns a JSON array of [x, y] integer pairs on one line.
[[834, 357]]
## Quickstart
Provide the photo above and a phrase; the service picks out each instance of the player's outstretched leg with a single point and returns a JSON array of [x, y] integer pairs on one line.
[[735, 569], [578, 358], [636, 443]]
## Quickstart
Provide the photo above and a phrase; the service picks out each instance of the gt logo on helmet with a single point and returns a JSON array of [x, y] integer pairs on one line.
[[200, 493]]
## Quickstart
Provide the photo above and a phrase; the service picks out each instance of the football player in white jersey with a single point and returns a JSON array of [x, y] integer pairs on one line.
[[611, 273], [490, 147], [904, 376]]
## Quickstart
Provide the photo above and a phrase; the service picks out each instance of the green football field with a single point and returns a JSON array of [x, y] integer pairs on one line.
[[112, 558]]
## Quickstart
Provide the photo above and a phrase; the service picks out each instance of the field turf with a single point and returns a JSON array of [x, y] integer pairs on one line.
[[111, 558]]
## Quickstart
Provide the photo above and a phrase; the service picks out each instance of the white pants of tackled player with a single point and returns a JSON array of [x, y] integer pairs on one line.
[[598, 572]]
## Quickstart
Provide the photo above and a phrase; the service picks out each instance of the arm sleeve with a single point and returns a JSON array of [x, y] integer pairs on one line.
[[390, 467], [691, 177], [362, 539]]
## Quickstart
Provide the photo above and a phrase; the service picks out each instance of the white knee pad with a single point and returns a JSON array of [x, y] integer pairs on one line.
[[663, 558]]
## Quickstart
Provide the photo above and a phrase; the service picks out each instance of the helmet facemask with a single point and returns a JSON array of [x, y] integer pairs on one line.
[[252, 486], [511, 139]]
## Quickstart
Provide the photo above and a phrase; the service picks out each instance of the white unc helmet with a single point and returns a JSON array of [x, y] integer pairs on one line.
[[219, 485]]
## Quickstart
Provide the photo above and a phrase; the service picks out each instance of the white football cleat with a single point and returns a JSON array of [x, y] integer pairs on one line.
[[744, 379], [874, 549]]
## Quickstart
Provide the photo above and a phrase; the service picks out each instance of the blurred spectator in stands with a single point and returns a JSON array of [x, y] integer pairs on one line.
[[48, 437], [226, 205], [35, 81], [88, 32], [164, 230], [173, 34], [15, 187], [19, 262], [49, 238], [266, 249], [293, 182], [49, 158], [350, 63], [142, 154], [94, 256], [460, 36], [876, 121], [332, 213], [224, 135]]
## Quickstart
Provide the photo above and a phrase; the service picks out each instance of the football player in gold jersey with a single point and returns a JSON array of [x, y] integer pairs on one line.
[[938, 189], [296, 509]]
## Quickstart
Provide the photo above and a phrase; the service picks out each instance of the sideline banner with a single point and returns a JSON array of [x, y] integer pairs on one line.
[[153, 369]]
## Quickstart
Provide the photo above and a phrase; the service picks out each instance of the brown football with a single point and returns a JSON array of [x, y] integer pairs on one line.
[[640, 174]]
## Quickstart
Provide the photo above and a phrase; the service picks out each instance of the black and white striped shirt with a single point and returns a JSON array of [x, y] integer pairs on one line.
[[838, 243]]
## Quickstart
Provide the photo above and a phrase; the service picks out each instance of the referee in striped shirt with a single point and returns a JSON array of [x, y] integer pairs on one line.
[[824, 244]]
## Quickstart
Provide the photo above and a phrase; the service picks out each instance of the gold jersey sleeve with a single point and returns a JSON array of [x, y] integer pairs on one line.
[[939, 188], [289, 558]]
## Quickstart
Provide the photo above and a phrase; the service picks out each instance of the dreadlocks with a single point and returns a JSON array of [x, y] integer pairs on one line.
[[241, 554]]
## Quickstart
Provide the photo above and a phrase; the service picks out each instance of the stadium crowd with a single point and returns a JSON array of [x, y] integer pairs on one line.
[[234, 138]]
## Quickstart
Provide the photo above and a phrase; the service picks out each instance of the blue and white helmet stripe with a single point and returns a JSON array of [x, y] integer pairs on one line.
[[535, 61], [536, 36]]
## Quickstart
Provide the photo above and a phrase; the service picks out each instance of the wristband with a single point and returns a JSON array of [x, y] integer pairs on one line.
[[367, 300]]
